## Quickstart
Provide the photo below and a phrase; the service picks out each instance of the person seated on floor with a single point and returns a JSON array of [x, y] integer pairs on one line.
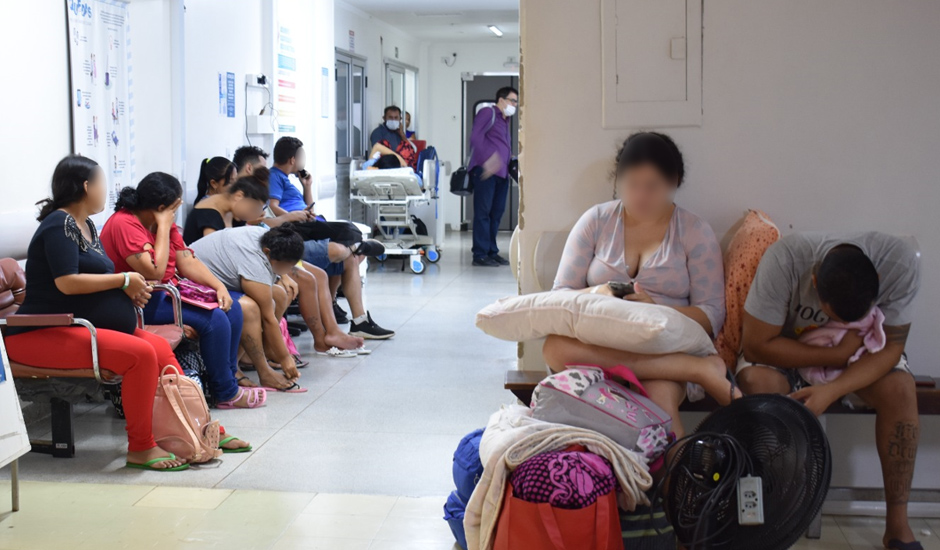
[[806, 280], [141, 236], [671, 255], [250, 260], [69, 272], [215, 174], [391, 134]]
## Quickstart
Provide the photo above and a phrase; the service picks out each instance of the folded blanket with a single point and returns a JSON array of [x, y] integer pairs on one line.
[[511, 437], [871, 327]]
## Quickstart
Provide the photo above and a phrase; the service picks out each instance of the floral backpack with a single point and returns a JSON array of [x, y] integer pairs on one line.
[[583, 396]]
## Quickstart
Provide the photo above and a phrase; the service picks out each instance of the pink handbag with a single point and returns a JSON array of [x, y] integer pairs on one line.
[[196, 294], [181, 421]]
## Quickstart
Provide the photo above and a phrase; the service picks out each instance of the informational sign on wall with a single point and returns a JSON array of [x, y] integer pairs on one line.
[[286, 80], [100, 71]]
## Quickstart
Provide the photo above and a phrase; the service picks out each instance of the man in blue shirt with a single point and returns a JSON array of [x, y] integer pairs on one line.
[[390, 130], [289, 158]]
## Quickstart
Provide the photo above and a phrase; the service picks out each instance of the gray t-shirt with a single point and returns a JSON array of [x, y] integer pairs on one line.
[[235, 254], [783, 294]]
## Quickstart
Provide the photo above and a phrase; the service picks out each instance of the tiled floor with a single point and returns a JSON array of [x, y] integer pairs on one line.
[[324, 461], [86, 516]]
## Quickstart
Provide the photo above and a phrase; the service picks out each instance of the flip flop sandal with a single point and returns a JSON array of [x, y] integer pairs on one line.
[[246, 367], [362, 350], [239, 379], [299, 362], [235, 450], [256, 398], [339, 353], [149, 465], [293, 388], [895, 544]]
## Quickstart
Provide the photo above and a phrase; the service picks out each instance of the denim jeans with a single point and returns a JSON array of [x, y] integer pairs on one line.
[[219, 335], [489, 204]]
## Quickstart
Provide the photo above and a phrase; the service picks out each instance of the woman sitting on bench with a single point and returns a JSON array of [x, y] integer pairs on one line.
[[69, 272], [141, 236], [671, 256]]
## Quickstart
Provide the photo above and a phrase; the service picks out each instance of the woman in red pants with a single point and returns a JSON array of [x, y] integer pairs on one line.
[[68, 272]]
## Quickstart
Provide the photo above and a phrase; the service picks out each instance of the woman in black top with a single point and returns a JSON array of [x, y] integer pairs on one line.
[[241, 201], [68, 272]]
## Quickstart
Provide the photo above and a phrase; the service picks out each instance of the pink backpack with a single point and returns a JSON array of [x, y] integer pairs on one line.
[[181, 421]]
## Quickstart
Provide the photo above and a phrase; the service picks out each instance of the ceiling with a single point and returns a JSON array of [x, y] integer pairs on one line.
[[447, 20]]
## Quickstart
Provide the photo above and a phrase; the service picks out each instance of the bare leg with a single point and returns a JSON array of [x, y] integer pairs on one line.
[[335, 281], [668, 395], [897, 430], [333, 335], [709, 372], [338, 252], [352, 286], [756, 379], [252, 343], [309, 301], [280, 301]]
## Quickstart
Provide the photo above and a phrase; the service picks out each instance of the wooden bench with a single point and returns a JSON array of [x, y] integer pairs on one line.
[[523, 383]]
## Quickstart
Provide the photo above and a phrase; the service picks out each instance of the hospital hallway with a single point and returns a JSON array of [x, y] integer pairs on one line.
[[362, 461]]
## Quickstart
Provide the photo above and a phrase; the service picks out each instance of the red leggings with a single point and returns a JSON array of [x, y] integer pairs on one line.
[[138, 357]]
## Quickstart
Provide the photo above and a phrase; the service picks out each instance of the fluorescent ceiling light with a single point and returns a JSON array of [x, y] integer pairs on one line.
[[495, 30]]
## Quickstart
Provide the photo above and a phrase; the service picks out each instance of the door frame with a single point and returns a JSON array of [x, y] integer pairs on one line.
[[354, 59], [464, 78]]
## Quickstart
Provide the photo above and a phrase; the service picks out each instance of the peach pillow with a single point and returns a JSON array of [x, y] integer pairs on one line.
[[747, 247]]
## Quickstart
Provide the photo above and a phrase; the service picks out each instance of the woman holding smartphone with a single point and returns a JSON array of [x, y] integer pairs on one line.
[[644, 248]]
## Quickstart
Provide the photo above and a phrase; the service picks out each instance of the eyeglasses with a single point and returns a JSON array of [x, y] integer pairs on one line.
[[513, 101]]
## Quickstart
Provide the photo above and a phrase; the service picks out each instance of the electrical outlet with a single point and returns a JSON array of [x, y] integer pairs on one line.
[[750, 501]]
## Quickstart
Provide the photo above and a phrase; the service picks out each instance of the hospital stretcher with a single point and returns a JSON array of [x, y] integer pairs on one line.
[[393, 197]]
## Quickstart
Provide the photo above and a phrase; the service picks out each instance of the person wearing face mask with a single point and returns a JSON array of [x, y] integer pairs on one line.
[[390, 130], [490, 151], [671, 256]]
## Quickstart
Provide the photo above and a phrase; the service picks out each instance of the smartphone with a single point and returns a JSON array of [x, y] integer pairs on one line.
[[310, 207], [621, 289], [303, 174]]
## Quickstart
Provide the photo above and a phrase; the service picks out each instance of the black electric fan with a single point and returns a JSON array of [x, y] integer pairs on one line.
[[768, 436]]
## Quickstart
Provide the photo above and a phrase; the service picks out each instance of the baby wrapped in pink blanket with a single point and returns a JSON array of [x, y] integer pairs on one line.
[[871, 328]]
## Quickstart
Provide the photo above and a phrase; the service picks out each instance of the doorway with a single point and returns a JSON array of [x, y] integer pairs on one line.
[[479, 90], [351, 85]]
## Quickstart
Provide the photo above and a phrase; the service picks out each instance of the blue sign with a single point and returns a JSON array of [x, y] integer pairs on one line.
[[230, 95]]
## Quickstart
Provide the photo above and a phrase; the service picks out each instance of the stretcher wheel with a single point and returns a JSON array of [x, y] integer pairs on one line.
[[381, 258], [417, 266], [432, 254]]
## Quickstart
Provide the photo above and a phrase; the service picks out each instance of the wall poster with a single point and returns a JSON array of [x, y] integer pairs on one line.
[[101, 78]]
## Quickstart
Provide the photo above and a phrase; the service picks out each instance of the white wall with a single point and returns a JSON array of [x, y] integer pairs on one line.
[[37, 117], [441, 99], [375, 40], [823, 114], [221, 36]]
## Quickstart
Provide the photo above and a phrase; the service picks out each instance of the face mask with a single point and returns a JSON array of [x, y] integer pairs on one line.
[[509, 110], [392, 124]]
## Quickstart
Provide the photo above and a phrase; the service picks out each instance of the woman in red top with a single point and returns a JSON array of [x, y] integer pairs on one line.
[[141, 236]]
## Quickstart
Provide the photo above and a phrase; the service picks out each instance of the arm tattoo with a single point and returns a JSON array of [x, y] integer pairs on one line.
[[185, 253], [138, 255], [897, 335]]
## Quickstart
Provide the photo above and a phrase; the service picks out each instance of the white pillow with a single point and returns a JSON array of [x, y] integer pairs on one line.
[[595, 319]]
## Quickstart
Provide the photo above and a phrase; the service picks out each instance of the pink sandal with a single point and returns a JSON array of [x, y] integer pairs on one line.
[[256, 398]]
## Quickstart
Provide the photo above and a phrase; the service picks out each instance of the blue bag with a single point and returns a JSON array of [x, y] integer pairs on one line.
[[468, 468], [454, 510]]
